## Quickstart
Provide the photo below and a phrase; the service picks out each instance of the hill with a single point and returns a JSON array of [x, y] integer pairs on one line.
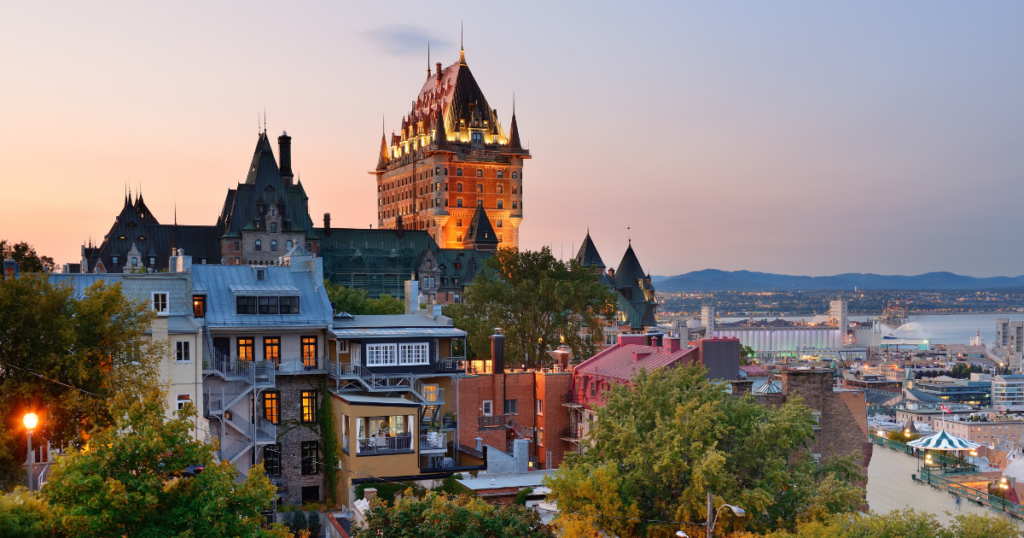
[[715, 280]]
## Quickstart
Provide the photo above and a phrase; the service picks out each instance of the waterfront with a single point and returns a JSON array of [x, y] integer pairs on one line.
[[938, 329]]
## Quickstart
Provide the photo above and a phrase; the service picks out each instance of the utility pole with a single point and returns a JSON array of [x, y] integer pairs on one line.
[[711, 513]]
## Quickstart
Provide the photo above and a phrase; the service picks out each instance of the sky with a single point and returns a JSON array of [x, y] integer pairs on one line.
[[809, 138]]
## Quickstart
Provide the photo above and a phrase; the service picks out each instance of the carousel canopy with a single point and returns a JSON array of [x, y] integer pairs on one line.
[[943, 441]]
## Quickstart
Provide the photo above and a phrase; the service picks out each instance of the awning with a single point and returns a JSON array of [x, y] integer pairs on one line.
[[943, 441]]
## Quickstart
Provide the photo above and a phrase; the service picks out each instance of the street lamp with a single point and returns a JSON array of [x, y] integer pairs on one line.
[[1003, 485], [30, 420]]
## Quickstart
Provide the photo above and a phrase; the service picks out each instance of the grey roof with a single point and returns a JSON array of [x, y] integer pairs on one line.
[[177, 325], [390, 321], [358, 399], [505, 480], [769, 387], [588, 256], [881, 397], [218, 281], [259, 287], [431, 332], [922, 396], [81, 281]]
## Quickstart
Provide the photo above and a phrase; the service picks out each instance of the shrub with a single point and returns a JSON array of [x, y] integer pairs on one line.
[[522, 495]]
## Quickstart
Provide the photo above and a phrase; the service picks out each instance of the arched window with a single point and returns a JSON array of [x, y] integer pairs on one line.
[[259, 245], [273, 227], [500, 174], [458, 172], [479, 173], [514, 175], [446, 171], [288, 246], [273, 246]]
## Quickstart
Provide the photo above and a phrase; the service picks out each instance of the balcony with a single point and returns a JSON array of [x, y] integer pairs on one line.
[[449, 365], [497, 421], [434, 443], [572, 433], [314, 365], [369, 446]]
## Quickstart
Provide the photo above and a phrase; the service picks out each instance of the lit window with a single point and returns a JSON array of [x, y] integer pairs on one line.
[[246, 349], [458, 222], [272, 350], [309, 353], [199, 306], [271, 407], [308, 406], [181, 352]]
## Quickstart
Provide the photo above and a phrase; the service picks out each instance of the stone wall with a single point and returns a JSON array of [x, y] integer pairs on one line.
[[292, 432]]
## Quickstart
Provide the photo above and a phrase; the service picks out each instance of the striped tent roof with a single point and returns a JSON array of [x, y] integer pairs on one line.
[[943, 441]]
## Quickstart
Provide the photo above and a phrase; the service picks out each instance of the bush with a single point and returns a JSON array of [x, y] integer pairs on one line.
[[522, 495], [451, 486], [386, 490]]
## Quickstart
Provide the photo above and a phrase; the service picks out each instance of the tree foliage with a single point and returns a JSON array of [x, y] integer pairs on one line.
[[908, 523], [658, 447], [51, 342], [130, 481], [25, 255], [357, 302], [437, 515], [539, 301], [24, 515]]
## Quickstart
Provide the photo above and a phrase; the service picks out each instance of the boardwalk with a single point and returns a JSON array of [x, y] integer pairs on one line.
[[890, 488]]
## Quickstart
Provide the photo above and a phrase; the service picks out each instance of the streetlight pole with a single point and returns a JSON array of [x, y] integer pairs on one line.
[[30, 421]]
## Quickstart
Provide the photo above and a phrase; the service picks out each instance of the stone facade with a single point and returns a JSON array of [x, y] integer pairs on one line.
[[292, 432]]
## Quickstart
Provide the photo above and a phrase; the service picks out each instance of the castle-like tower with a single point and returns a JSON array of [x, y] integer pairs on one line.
[[451, 156]]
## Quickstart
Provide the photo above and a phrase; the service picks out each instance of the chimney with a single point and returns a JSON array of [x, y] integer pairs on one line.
[[398, 225], [561, 357], [741, 386], [327, 224], [438, 65], [479, 441], [412, 295], [370, 494], [611, 273], [284, 143], [11, 269], [671, 344], [498, 351]]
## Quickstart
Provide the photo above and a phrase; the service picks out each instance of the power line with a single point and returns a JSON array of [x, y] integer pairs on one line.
[[50, 380]]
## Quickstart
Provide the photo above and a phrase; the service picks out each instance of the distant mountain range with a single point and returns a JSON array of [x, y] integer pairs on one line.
[[715, 280]]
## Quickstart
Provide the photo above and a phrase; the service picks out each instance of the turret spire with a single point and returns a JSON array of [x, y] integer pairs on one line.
[[462, 44]]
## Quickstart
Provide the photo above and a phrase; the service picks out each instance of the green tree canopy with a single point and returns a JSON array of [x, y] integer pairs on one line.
[[437, 515], [659, 446], [52, 345], [131, 480], [539, 301], [357, 302], [25, 255], [907, 523]]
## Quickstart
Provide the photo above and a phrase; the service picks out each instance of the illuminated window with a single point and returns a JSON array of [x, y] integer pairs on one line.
[[308, 406], [246, 349], [272, 350], [271, 406], [199, 306], [309, 353], [458, 222]]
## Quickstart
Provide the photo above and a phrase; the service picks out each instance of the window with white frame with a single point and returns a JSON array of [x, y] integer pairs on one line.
[[342, 346], [540, 407], [488, 408], [160, 303], [181, 351], [381, 354], [816, 416], [412, 354], [183, 400]]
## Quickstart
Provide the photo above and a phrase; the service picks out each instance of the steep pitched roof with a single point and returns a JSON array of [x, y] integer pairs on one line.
[[382, 159], [620, 361], [587, 255], [514, 142], [631, 283], [480, 234], [144, 213]]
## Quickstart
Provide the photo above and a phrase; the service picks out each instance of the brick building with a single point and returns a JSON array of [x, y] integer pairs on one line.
[[451, 156], [841, 414]]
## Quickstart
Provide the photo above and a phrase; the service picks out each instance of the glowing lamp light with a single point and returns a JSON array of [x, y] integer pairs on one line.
[[30, 420]]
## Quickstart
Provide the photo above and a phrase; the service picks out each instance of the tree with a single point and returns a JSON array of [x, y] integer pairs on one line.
[[24, 515], [540, 303], [132, 480], [437, 515], [62, 358], [746, 353], [660, 445], [25, 255], [907, 523], [357, 302]]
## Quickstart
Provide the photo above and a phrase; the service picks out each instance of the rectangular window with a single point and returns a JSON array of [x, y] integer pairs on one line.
[[245, 305], [289, 305], [501, 204], [310, 453], [309, 353], [271, 406], [515, 205], [500, 175], [183, 400], [181, 352], [113, 261], [267, 305], [272, 460], [458, 202], [511, 407], [160, 303], [499, 220], [246, 349], [540, 407], [342, 346], [272, 349], [381, 354], [479, 187], [412, 354], [309, 406], [488, 408], [458, 186], [310, 494], [199, 306]]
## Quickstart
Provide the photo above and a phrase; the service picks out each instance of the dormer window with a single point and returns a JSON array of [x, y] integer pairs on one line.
[[122, 238], [152, 260], [131, 224], [142, 238], [261, 274], [113, 260], [135, 262], [260, 208], [458, 266]]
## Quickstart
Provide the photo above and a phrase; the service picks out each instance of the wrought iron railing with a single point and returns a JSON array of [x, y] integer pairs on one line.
[[233, 448], [983, 498], [449, 365], [497, 421], [434, 442]]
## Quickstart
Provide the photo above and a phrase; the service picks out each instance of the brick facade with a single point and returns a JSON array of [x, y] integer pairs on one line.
[[292, 432]]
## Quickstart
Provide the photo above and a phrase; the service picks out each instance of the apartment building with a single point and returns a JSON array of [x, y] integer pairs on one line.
[[989, 429], [1008, 392]]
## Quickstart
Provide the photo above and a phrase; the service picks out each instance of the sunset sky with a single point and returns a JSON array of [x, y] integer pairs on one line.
[[793, 137]]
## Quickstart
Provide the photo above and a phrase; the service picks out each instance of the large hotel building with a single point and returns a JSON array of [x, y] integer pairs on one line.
[[451, 156]]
